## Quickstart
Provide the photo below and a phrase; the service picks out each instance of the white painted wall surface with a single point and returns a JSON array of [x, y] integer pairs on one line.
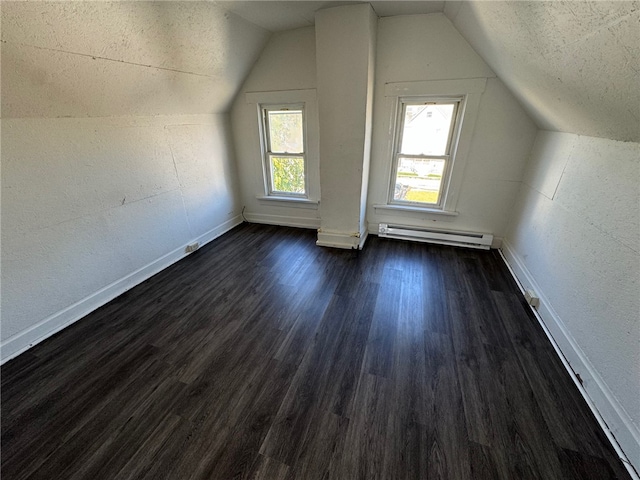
[[574, 236], [99, 191], [288, 62], [345, 39], [428, 47], [86, 203], [368, 129]]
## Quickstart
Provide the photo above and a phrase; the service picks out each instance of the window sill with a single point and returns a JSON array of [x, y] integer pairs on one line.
[[411, 209], [289, 201]]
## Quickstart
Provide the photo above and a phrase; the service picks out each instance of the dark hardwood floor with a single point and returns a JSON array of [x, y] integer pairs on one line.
[[263, 356]]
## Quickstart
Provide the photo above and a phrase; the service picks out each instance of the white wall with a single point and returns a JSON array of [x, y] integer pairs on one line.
[[99, 191], [86, 203], [574, 237], [428, 47], [345, 83], [371, 81], [288, 62]]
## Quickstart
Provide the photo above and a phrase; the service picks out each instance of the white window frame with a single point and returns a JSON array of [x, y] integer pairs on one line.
[[307, 98], [267, 152], [471, 91], [448, 156]]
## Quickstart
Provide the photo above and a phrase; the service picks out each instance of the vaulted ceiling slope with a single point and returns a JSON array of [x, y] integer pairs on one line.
[[279, 15], [98, 59], [573, 65]]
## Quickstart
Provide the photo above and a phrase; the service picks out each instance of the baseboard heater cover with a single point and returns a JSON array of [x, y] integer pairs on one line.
[[443, 237]]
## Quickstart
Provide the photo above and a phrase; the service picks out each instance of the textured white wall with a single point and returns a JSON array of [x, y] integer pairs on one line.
[[428, 47], [85, 202], [345, 39], [288, 62], [576, 230], [98, 190], [368, 136]]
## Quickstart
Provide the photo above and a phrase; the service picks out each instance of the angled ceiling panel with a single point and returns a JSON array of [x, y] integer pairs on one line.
[[81, 59], [573, 65]]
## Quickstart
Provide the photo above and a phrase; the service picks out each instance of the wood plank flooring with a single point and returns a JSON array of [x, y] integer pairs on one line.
[[262, 356]]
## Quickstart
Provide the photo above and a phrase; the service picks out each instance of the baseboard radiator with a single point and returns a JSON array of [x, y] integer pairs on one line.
[[443, 237]]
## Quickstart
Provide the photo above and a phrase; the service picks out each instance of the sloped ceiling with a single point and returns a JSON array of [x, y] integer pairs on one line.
[[97, 59], [277, 16], [573, 65]]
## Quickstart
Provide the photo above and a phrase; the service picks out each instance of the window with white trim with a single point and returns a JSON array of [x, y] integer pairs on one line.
[[284, 150], [424, 148]]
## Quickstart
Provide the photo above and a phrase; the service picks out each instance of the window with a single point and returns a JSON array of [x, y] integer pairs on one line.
[[284, 150], [428, 174], [427, 129]]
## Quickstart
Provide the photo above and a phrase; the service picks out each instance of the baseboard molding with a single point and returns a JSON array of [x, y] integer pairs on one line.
[[363, 239], [19, 343], [285, 221], [614, 420], [342, 240]]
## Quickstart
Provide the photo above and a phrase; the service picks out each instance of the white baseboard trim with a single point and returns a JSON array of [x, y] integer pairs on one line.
[[19, 343], [613, 419], [363, 239], [285, 221], [342, 240]]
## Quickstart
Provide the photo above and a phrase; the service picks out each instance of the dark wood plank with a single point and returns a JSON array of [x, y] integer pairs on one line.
[[380, 344], [365, 446], [262, 356], [267, 469], [483, 466]]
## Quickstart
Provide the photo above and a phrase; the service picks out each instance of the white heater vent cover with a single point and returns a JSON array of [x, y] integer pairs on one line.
[[443, 237]]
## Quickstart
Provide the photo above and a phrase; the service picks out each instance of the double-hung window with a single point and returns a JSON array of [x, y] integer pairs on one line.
[[284, 151], [426, 133]]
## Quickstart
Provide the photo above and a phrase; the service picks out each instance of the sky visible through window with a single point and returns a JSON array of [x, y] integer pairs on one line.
[[285, 131]]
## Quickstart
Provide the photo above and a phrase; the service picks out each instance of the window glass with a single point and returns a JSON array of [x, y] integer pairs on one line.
[[284, 156], [287, 174], [285, 131], [423, 151], [419, 180], [426, 129]]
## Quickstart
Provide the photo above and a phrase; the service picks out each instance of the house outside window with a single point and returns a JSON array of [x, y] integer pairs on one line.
[[431, 124], [424, 149]]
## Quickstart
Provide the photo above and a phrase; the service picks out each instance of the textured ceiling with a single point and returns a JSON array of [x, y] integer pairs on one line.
[[79, 59], [573, 65], [286, 15]]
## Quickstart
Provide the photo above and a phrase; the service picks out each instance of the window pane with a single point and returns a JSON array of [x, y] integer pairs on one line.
[[287, 174], [426, 129], [285, 131], [419, 180]]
